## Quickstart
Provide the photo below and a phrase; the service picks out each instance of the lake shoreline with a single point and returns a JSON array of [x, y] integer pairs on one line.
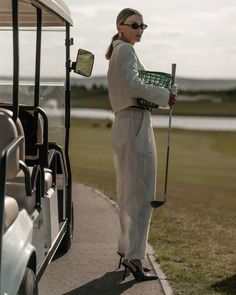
[[182, 122]]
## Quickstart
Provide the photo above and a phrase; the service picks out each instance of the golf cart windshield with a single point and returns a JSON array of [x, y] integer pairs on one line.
[[52, 86]]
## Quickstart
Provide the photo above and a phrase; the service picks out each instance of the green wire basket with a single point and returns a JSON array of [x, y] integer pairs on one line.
[[154, 78]]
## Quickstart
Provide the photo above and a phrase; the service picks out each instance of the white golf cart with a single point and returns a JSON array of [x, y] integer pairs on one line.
[[36, 209]]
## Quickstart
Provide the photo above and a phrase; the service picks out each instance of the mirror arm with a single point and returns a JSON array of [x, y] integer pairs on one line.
[[73, 65], [69, 41], [69, 65]]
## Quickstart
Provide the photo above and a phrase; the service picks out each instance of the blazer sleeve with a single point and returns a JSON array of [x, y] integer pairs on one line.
[[128, 69]]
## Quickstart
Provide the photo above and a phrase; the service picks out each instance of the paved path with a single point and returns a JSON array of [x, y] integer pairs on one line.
[[90, 267]]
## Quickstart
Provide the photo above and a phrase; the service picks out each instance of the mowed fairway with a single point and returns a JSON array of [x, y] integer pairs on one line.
[[194, 234]]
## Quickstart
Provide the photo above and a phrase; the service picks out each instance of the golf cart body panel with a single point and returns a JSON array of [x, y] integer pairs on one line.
[[19, 244]]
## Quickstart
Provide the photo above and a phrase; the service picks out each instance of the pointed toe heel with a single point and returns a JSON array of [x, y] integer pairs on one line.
[[137, 273]]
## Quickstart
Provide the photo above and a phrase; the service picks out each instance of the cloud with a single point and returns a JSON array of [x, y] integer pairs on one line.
[[175, 33], [206, 15], [221, 13], [200, 35], [162, 21], [228, 11], [90, 11]]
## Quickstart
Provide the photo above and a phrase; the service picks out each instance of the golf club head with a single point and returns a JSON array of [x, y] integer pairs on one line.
[[157, 204]]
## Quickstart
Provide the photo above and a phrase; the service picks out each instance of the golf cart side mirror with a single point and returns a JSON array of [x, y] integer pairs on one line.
[[84, 63]]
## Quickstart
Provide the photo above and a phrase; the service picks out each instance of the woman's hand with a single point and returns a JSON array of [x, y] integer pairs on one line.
[[172, 100], [173, 94]]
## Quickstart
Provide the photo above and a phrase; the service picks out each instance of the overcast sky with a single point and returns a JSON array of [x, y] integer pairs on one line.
[[200, 36]]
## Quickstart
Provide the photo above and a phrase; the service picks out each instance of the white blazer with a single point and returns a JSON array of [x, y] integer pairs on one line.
[[124, 84]]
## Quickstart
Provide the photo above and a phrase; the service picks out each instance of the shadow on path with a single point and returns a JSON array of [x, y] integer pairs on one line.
[[227, 286], [109, 284]]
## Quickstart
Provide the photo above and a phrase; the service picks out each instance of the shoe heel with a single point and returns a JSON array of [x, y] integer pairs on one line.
[[121, 258], [124, 274], [120, 261]]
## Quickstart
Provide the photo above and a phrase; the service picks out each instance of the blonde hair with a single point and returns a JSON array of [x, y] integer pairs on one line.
[[121, 18]]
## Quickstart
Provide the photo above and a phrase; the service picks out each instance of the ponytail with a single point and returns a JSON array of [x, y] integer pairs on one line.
[[110, 48]]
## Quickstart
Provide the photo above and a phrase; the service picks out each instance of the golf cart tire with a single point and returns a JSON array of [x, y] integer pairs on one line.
[[67, 239], [28, 285]]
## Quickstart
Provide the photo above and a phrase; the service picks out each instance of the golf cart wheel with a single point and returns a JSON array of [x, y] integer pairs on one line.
[[28, 285], [66, 241]]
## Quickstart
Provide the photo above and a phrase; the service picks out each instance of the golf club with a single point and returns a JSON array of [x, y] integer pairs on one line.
[[159, 203]]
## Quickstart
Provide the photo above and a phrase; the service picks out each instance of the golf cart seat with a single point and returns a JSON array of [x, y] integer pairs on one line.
[[35, 125], [19, 128], [20, 191], [19, 178], [8, 133], [11, 211]]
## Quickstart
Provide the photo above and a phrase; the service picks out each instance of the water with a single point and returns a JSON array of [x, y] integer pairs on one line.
[[182, 122]]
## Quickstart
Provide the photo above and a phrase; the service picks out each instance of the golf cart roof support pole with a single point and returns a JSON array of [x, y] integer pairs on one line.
[[68, 43], [68, 70], [38, 56], [15, 93], [3, 161]]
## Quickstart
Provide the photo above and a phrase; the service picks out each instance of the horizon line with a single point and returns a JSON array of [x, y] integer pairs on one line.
[[103, 76]]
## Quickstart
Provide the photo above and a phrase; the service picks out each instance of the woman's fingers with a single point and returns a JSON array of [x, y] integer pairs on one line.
[[172, 99]]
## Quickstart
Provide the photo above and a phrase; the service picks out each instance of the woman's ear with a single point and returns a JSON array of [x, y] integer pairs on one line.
[[119, 29]]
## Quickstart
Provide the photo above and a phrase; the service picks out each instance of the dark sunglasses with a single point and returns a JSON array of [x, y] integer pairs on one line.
[[135, 26]]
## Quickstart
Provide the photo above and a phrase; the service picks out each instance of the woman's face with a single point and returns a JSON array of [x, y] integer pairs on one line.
[[129, 34]]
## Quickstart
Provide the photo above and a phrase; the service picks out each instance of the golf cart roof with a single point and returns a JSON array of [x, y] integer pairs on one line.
[[54, 12]]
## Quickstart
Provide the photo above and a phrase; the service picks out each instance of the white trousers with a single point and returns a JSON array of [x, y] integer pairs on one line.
[[136, 166]]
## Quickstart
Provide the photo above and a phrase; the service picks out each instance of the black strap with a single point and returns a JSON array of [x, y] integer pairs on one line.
[[142, 108]]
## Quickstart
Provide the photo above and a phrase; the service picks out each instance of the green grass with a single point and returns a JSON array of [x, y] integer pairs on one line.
[[194, 234], [205, 108]]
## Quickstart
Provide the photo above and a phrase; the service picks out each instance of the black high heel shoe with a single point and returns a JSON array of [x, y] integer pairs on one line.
[[146, 269], [137, 272]]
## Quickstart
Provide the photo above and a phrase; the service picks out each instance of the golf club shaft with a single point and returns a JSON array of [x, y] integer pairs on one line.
[[173, 71], [168, 153], [159, 203]]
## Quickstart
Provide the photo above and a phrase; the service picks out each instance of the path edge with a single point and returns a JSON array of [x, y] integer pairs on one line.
[[150, 251]]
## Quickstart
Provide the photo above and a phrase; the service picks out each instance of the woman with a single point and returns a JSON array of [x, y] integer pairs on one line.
[[133, 140]]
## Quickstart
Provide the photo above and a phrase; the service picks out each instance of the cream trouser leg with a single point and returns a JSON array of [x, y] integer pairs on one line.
[[136, 164]]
